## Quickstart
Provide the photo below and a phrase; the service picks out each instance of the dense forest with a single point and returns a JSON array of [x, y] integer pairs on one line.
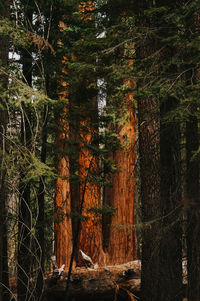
[[99, 149]]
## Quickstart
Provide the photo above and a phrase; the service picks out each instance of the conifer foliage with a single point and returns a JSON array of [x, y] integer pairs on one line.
[[96, 96]]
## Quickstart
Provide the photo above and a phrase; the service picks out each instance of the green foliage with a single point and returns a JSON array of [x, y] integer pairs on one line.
[[104, 210], [171, 71], [96, 49], [17, 35]]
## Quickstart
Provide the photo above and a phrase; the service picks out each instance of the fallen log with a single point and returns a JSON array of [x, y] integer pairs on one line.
[[97, 284]]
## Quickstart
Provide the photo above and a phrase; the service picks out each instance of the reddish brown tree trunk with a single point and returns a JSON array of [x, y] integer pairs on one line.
[[90, 239], [121, 245], [90, 236], [63, 225], [63, 229]]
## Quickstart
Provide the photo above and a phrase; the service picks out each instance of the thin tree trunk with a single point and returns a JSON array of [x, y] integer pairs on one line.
[[84, 167], [192, 180], [193, 211], [74, 168], [24, 214], [41, 214], [4, 284]]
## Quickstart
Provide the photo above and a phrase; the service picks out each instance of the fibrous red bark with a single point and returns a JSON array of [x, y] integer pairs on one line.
[[63, 225], [90, 239], [121, 245]]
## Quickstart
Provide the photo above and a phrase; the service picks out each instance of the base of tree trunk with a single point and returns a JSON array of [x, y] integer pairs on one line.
[[119, 282]]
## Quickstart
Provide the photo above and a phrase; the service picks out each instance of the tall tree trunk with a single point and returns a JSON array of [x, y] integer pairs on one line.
[[149, 153], [24, 214], [193, 210], [90, 236], [74, 167], [171, 188], [162, 250], [63, 228], [149, 150], [4, 284], [119, 233], [63, 224], [87, 235], [171, 241], [192, 178], [121, 240]]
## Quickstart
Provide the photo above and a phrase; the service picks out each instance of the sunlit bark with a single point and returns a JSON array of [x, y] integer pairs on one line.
[[90, 239], [90, 236], [121, 245], [63, 225]]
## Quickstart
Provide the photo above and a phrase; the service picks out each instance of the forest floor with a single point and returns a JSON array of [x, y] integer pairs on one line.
[[116, 282], [102, 283]]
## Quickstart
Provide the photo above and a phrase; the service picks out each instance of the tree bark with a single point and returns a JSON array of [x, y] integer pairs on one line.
[[170, 284], [84, 165], [192, 178], [63, 224], [97, 284], [149, 150], [193, 210], [149, 153], [90, 236], [118, 230], [121, 243], [171, 209]]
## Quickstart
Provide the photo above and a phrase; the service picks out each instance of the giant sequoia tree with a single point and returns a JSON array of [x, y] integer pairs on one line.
[[114, 66], [118, 230], [88, 147]]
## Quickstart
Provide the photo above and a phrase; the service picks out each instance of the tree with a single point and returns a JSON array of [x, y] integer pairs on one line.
[[159, 154], [149, 150], [192, 182], [117, 61], [121, 243], [149, 154], [192, 165], [24, 222], [4, 285], [81, 118]]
